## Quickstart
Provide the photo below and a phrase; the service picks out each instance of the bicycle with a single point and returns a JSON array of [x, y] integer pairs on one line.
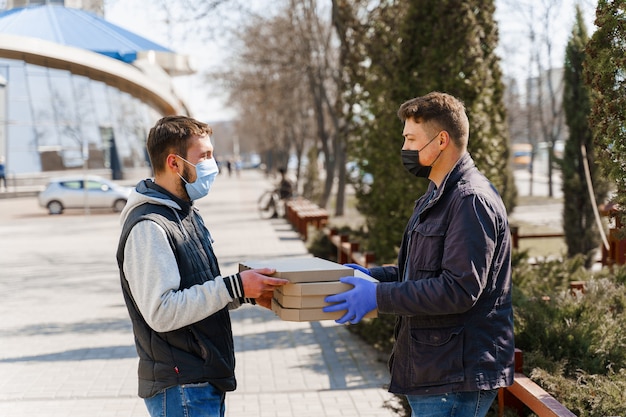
[[270, 205]]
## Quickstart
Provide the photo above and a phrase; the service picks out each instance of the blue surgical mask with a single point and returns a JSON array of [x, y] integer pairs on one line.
[[206, 171]]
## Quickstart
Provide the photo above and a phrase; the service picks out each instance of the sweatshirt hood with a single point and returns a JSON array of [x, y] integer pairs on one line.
[[146, 191]]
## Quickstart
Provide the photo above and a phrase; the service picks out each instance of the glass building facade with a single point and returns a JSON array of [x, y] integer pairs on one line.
[[77, 92], [56, 120]]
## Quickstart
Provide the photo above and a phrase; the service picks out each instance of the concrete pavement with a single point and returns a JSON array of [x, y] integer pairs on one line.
[[66, 345]]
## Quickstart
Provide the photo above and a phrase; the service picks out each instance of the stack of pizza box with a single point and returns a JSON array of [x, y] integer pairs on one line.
[[311, 280]]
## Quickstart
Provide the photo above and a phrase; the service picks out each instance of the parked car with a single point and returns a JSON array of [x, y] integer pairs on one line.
[[69, 193]]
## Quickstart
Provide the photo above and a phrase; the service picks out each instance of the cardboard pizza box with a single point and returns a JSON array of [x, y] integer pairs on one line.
[[309, 289], [321, 288], [309, 314], [296, 301], [297, 270]]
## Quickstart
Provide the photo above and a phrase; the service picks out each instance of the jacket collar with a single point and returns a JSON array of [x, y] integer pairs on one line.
[[463, 165]]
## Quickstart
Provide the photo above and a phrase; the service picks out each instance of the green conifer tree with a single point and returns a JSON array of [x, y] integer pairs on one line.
[[579, 223], [418, 46], [605, 72]]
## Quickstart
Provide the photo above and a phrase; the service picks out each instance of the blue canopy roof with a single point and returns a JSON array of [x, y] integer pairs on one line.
[[77, 28]]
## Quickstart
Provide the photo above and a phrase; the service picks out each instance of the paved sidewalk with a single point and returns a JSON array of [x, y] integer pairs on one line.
[[66, 345]]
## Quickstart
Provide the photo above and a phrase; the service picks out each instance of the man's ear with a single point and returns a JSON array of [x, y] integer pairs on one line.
[[444, 139], [172, 162]]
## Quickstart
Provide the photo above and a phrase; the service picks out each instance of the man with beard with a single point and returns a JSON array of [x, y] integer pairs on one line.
[[176, 297]]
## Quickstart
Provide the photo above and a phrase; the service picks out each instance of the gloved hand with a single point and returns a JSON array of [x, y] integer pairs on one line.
[[359, 267], [358, 301]]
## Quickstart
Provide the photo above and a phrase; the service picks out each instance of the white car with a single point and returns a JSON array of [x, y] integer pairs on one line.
[[70, 193]]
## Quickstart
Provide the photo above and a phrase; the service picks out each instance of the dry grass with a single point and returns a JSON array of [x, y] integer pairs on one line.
[[544, 247]]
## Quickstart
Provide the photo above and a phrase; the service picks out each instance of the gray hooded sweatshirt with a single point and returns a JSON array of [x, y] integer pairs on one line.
[[177, 299], [154, 284]]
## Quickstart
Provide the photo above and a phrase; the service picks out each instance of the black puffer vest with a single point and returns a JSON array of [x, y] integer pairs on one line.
[[201, 352]]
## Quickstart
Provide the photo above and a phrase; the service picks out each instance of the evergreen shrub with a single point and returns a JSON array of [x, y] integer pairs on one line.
[[573, 342]]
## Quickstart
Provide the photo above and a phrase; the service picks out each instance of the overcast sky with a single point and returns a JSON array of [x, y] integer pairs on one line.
[[207, 103]]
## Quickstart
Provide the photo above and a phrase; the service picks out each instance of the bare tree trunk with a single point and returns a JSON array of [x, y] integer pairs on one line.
[[543, 90]]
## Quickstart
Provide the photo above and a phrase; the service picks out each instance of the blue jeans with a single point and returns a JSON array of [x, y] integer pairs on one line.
[[452, 404], [189, 400]]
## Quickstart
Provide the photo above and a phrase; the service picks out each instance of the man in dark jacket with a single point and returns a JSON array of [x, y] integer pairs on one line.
[[176, 297], [451, 289]]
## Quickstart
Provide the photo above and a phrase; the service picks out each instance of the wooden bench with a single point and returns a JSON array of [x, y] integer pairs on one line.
[[300, 213], [348, 252]]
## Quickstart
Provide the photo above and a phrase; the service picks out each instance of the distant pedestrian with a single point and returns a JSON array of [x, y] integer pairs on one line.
[[285, 192], [285, 187], [229, 167], [177, 299], [3, 178]]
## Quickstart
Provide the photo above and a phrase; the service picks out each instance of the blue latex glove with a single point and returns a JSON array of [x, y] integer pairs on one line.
[[359, 267], [358, 301]]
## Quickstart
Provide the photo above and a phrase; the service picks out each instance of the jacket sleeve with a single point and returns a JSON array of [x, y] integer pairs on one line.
[[385, 273], [154, 280], [459, 275]]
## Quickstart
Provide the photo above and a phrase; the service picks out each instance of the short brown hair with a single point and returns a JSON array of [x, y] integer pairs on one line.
[[170, 135], [445, 111]]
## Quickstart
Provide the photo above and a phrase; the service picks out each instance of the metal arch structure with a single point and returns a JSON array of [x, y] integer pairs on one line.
[[122, 76]]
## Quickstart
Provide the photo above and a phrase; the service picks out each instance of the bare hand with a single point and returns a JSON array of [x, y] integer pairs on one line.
[[265, 300], [257, 283]]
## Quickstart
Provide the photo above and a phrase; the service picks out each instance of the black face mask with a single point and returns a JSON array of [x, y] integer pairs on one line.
[[411, 161]]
